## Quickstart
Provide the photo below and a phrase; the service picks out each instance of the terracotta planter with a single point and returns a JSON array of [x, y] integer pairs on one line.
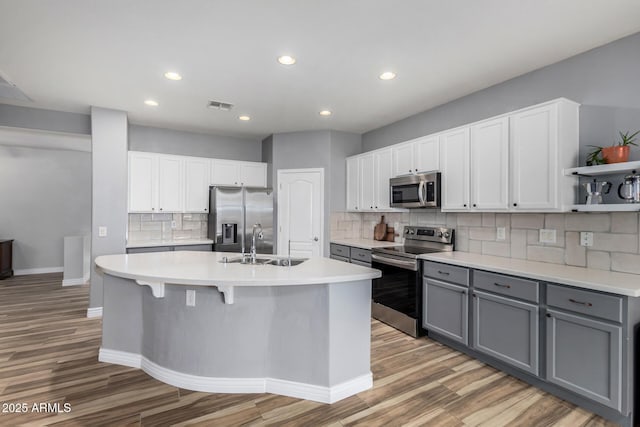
[[615, 154]]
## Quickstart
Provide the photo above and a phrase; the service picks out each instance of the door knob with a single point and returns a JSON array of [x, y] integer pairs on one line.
[[315, 239]]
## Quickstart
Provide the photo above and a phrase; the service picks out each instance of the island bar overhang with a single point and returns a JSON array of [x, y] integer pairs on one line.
[[309, 341]]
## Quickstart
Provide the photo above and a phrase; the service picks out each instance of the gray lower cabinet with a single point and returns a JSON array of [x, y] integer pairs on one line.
[[506, 329], [445, 309], [350, 254], [199, 248], [585, 356]]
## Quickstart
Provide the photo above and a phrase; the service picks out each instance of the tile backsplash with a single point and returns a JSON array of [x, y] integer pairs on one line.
[[615, 235], [144, 227]]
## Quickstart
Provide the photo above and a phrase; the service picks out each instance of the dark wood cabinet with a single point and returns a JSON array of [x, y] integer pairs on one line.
[[6, 258]]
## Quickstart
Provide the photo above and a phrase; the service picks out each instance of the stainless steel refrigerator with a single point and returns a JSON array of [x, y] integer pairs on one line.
[[232, 213]]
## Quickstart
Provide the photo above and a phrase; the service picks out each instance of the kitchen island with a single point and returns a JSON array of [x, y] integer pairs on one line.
[[191, 320]]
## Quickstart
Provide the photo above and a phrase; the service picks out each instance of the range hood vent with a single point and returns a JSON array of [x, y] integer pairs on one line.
[[10, 91], [217, 105]]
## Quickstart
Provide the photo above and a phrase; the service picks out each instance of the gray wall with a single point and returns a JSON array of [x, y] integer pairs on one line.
[[267, 157], [36, 118], [46, 195], [314, 149], [604, 80], [168, 141], [109, 189]]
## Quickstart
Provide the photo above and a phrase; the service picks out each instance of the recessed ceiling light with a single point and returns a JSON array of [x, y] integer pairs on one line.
[[172, 75], [244, 118], [325, 113], [151, 103], [286, 60], [388, 75]]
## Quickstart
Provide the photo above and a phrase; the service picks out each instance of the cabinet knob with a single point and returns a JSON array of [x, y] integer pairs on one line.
[[416, 170], [376, 207], [548, 315], [205, 210], [160, 208], [464, 206], [515, 204], [474, 205], [370, 207], [410, 170], [153, 209]]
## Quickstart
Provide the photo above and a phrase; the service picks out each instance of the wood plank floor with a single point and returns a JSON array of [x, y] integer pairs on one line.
[[49, 354]]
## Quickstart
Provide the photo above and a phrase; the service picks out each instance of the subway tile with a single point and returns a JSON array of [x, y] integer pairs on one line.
[[191, 225], [554, 222], [441, 218], [452, 220], [626, 263], [161, 217], [503, 220], [546, 254], [615, 242], [488, 219], [151, 226], [624, 222], [574, 253], [425, 218], [134, 222], [146, 217], [518, 243], [482, 233], [502, 249], [182, 234], [587, 222], [470, 219], [533, 237], [598, 260], [461, 236], [527, 221], [475, 246]]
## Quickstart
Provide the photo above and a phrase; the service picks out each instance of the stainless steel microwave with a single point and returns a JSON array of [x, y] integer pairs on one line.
[[415, 191]]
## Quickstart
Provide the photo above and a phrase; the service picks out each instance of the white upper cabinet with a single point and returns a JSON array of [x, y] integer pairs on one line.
[[170, 183], [382, 174], [427, 154], [544, 141], [142, 182], [196, 174], [418, 155], [454, 162], [403, 159], [236, 173], [490, 165], [353, 184], [366, 178]]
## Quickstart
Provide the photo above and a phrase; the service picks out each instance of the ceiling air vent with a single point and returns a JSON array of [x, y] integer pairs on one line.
[[217, 105], [10, 91]]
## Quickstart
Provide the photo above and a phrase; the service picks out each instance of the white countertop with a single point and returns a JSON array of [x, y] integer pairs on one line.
[[204, 269], [365, 243], [587, 278], [179, 242]]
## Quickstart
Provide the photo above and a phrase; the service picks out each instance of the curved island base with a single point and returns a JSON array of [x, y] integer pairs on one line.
[[310, 341]]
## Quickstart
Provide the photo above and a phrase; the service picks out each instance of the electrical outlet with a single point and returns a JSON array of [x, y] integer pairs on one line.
[[547, 236], [586, 238], [173, 225], [102, 231], [501, 233], [191, 298]]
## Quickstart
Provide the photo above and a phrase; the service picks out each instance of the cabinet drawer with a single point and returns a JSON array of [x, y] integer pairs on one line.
[[199, 248], [339, 258], [449, 273], [362, 255], [340, 250], [150, 249], [364, 264], [591, 303], [506, 285]]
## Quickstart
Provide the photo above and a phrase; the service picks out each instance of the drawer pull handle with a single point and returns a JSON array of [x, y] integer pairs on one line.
[[446, 273], [588, 304], [361, 255], [502, 286]]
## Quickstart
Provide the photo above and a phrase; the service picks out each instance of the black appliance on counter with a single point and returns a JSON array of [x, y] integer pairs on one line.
[[397, 295]]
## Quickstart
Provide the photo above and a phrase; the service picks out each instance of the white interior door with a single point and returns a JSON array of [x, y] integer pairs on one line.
[[301, 212]]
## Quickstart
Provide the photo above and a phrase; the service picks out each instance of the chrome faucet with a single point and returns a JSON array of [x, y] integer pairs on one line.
[[253, 241]]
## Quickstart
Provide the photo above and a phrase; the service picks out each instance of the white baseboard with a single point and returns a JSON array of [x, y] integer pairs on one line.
[[74, 282], [239, 385], [26, 271], [94, 312]]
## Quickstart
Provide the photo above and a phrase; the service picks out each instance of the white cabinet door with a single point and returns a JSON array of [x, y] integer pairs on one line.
[[196, 184], [353, 184], [454, 162], [490, 165], [225, 172], [253, 174], [383, 162], [534, 158], [403, 159], [142, 182], [170, 183], [427, 154], [365, 175]]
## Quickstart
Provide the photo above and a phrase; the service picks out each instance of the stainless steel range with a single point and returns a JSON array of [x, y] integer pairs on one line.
[[397, 295]]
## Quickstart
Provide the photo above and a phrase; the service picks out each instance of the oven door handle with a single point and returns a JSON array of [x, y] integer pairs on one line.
[[421, 192], [407, 265]]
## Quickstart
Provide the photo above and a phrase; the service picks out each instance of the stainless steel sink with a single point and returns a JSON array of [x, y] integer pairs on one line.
[[280, 262], [286, 262]]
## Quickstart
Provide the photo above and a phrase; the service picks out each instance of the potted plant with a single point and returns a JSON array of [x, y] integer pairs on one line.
[[617, 153]]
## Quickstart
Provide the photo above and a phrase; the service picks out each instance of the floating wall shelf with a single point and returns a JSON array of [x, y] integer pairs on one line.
[[623, 207], [612, 169]]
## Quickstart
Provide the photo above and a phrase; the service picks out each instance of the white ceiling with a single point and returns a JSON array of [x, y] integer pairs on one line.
[[70, 54]]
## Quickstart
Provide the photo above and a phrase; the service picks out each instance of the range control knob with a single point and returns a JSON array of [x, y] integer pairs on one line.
[[406, 231], [447, 235], [411, 232], [439, 233]]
